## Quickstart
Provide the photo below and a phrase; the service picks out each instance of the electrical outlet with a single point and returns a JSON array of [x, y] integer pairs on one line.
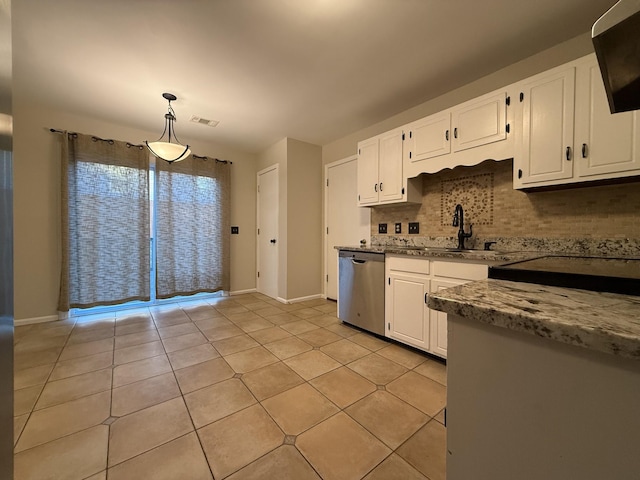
[[398, 228], [382, 228], [235, 230], [414, 227]]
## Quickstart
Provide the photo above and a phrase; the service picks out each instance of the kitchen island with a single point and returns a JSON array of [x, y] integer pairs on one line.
[[543, 382]]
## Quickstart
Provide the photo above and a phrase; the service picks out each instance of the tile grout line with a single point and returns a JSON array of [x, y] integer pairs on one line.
[[249, 334]]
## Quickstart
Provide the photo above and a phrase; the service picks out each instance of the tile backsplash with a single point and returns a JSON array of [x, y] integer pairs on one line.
[[473, 192], [495, 209]]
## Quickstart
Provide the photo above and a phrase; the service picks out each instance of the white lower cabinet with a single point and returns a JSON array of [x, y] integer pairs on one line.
[[408, 317], [409, 281], [438, 319]]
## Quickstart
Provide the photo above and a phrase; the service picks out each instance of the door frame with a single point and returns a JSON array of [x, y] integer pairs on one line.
[[277, 207], [325, 223]]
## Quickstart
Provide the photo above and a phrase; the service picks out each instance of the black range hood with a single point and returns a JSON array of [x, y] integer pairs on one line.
[[616, 40], [616, 275]]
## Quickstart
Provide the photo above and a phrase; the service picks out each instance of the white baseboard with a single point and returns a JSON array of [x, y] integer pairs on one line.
[[242, 292], [29, 321], [300, 299]]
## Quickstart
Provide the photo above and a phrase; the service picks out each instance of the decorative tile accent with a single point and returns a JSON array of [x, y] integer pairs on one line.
[[589, 219], [237, 375], [290, 439], [474, 193], [110, 420]]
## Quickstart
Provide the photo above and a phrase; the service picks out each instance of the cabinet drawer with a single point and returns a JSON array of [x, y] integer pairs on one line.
[[464, 271], [407, 264]]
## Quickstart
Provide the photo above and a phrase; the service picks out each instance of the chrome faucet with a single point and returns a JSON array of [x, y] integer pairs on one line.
[[458, 221]]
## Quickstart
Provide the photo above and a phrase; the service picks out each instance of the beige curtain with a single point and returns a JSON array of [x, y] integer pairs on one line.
[[192, 226], [105, 222]]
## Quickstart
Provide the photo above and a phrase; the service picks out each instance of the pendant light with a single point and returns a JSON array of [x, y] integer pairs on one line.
[[168, 151]]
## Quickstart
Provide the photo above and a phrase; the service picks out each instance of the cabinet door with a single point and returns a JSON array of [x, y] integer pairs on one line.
[[545, 141], [479, 122], [438, 321], [428, 138], [368, 172], [606, 143], [406, 312], [390, 167]]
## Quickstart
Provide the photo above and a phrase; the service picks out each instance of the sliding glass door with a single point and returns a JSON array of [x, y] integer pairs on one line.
[[135, 234]]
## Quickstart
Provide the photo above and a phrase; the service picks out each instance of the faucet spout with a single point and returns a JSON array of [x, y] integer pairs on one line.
[[458, 221]]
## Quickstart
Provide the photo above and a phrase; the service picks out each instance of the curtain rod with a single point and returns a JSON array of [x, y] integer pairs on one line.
[[110, 141], [209, 158]]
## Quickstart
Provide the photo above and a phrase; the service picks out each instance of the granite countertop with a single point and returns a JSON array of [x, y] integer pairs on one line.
[[490, 256], [604, 322]]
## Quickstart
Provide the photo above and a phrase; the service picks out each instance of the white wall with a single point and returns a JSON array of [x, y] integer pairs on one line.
[[300, 221], [37, 202], [304, 238]]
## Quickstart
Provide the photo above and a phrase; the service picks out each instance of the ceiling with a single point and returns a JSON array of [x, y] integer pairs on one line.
[[313, 70]]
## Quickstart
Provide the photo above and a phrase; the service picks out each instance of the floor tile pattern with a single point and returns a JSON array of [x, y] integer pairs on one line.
[[239, 387]]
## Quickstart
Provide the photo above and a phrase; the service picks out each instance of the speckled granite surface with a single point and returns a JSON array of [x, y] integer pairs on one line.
[[624, 247], [604, 322], [490, 257]]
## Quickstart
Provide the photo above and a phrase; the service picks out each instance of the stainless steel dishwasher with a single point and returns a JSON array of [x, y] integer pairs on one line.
[[361, 289]]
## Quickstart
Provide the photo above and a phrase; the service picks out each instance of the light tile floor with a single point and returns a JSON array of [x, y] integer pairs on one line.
[[241, 387]]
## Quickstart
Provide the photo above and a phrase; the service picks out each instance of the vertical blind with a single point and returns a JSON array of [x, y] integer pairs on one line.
[[105, 223], [192, 227]]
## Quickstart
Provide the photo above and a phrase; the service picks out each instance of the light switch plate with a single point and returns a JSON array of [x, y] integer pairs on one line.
[[235, 230], [382, 228]]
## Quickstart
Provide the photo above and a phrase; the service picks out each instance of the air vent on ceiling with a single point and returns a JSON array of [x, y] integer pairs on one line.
[[204, 121]]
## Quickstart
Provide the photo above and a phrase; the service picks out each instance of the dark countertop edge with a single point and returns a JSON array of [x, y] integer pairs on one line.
[[541, 324], [479, 255]]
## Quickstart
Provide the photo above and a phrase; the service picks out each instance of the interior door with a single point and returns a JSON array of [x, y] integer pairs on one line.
[[268, 188], [346, 223]]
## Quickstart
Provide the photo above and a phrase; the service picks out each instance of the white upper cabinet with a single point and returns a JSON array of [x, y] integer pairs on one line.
[[567, 133], [390, 167], [480, 122], [428, 137], [467, 134], [368, 156], [544, 141], [381, 179], [606, 144]]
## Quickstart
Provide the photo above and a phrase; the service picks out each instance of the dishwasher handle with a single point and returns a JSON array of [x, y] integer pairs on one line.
[[358, 261]]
